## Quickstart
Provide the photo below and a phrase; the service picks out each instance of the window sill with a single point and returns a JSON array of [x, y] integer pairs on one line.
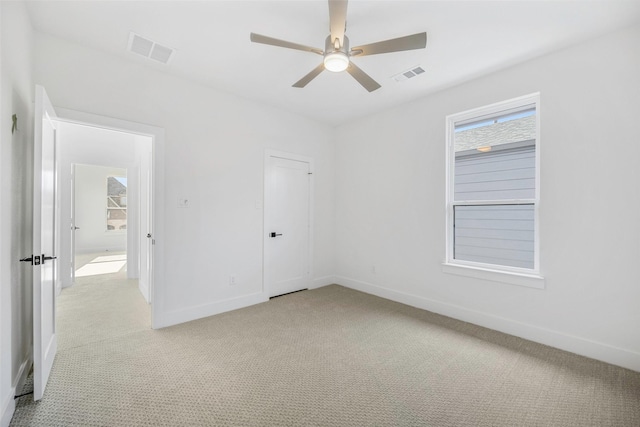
[[519, 279]]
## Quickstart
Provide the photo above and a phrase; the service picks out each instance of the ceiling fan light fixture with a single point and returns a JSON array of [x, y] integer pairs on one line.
[[336, 61], [336, 54]]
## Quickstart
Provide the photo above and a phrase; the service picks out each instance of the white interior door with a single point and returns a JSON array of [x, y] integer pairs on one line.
[[150, 235], [74, 227], [144, 282], [287, 225], [44, 197]]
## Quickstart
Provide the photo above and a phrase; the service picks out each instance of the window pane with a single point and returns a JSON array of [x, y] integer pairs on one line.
[[495, 158], [495, 234], [116, 203]]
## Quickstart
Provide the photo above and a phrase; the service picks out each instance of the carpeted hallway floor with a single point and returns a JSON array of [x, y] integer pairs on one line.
[[325, 357]]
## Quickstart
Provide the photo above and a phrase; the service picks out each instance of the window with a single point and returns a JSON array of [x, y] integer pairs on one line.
[[116, 203], [493, 190]]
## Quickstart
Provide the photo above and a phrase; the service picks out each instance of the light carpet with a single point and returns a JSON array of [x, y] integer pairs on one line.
[[325, 357]]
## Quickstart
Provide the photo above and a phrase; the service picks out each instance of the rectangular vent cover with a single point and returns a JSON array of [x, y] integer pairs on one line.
[[149, 49], [409, 74]]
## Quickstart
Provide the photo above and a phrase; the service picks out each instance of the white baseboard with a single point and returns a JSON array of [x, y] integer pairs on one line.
[[322, 281], [198, 312], [144, 290], [8, 408], [9, 403], [582, 346]]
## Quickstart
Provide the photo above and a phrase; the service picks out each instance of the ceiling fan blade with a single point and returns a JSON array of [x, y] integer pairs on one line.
[[257, 38], [337, 20], [415, 41], [363, 78], [312, 75]]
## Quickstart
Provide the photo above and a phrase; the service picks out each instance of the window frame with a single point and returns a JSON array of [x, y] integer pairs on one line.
[[508, 274]]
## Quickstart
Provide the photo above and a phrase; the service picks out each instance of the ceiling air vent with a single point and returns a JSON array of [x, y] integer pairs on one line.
[[149, 49], [409, 74]]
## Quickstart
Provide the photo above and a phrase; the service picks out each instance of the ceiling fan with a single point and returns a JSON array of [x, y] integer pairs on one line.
[[337, 55]]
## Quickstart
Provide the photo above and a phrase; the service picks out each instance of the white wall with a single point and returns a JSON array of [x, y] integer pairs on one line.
[[16, 208], [90, 210], [214, 151], [390, 203]]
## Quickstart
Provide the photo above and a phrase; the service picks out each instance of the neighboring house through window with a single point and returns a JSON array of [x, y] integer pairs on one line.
[[493, 190], [116, 203]]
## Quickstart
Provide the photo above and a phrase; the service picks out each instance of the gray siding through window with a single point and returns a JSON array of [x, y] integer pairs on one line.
[[498, 234], [495, 234], [496, 175]]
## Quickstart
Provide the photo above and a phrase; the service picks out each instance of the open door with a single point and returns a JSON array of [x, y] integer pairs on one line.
[[148, 248], [73, 223], [44, 199], [146, 237]]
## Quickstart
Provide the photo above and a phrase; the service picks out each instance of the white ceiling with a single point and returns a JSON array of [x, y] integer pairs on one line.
[[465, 39]]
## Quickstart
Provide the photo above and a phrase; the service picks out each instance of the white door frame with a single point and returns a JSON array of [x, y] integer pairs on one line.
[[265, 239], [157, 290]]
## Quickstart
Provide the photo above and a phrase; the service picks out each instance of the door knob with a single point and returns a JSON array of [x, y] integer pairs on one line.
[[148, 235], [76, 228], [34, 260], [275, 234], [45, 258]]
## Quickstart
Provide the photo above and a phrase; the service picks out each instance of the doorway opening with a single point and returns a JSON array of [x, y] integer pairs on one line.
[[106, 181], [104, 198], [99, 222]]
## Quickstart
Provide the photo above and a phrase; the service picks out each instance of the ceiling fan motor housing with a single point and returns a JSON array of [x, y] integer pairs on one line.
[[329, 45], [336, 59]]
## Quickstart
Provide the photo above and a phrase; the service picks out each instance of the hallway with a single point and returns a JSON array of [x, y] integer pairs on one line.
[[100, 307]]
